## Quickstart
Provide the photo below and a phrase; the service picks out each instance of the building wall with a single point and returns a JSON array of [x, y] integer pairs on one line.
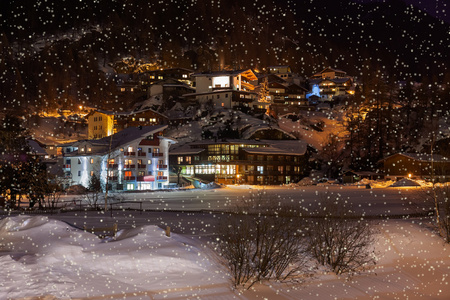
[[100, 125], [138, 166], [228, 164]]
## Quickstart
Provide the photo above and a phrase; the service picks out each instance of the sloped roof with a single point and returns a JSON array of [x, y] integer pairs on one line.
[[35, 148], [329, 69], [118, 140], [293, 146]]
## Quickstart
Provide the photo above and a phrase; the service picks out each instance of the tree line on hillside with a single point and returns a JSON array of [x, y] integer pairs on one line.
[[203, 35], [382, 119]]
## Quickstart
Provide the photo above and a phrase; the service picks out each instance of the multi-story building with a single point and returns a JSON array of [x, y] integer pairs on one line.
[[135, 158], [227, 89], [103, 123], [243, 161]]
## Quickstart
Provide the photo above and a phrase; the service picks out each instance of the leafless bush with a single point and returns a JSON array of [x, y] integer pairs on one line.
[[337, 238], [437, 200], [261, 240]]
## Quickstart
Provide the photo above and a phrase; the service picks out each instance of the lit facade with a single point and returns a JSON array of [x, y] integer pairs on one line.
[[242, 161], [133, 159]]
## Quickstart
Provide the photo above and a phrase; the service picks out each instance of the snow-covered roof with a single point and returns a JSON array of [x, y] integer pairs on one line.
[[35, 148], [293, 146], [186, 149], [117, 140]]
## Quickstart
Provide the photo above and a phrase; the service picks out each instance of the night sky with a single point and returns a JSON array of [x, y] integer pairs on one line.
[[436, 8]]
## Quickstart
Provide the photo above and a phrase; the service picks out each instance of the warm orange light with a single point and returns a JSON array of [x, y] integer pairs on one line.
[[409, 175]]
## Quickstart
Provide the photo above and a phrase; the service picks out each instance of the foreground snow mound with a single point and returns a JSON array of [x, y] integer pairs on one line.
[[41, 257]]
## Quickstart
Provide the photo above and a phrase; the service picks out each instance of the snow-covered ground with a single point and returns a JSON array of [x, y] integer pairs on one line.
[[52, 260]]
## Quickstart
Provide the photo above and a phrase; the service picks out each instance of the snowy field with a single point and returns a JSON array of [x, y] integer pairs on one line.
[[45, 257], [376, 201], [49, 259]]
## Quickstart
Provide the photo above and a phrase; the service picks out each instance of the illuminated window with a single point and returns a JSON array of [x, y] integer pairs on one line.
[[188, 159], [141, 119], [92, 173], [92, 160], [89, 149], [185, 76], [180, 159], [127, 173], [130, 186], [149, 162]]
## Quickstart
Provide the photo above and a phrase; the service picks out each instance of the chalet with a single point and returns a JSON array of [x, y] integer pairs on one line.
[[416, 166], [280, 92], [242, 161], [331, 83], [132, 159], [227, 89]]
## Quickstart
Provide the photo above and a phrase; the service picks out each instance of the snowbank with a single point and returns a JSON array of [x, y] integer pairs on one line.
[[42, 257], [51, 260]]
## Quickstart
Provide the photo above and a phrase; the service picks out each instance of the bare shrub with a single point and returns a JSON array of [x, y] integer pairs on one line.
[[339, 239], [436, 200], [261, 240]]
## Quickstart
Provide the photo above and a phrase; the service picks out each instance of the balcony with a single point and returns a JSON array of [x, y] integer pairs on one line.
[[129, 178], [67, 166], [129, 166], [142, 154], [157, 154], [161, 178], [129, 154], [141, 166], [112, 178], [161, 167], [112, 166]]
